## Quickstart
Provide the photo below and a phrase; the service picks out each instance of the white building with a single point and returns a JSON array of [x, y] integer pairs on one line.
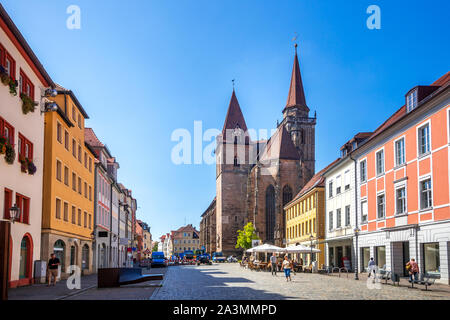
[[340, 216], [22, 133]]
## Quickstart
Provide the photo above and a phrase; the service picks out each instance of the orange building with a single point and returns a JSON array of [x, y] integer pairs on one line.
[[403, 185]]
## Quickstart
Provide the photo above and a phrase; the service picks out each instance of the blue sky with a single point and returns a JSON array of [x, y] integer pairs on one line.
[[142, 69]]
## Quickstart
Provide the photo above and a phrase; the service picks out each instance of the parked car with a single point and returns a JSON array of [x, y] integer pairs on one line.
[[218, 257], [158, 259], [232, 259]]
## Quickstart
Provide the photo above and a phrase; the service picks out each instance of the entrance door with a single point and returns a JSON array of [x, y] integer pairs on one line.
[[23, 259], [405, 248], [72, 255], [59, 250], [339, 255]]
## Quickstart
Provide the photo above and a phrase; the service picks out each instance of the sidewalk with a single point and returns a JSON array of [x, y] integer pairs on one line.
[[404, 282], [59, 291]]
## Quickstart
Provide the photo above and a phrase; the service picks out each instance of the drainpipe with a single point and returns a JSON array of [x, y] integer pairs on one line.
[[94, 241], [356, 264], [110, 226]]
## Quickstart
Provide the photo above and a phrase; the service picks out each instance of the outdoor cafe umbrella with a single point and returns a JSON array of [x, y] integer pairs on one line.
[[300, 249], [267, 248]]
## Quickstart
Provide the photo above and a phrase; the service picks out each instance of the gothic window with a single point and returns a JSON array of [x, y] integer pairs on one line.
[[270, 213], [287, 194]]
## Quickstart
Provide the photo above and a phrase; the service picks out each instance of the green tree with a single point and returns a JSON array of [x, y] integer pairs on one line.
[[155, 247], [245, 237]]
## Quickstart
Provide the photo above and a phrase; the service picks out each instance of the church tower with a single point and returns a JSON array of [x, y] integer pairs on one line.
[[233, 154], [298, 123]]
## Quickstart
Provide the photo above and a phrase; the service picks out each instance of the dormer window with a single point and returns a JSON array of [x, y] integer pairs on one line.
[[411, 100]]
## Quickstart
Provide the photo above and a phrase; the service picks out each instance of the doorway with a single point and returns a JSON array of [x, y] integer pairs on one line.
[[339, 256], [405, 250]]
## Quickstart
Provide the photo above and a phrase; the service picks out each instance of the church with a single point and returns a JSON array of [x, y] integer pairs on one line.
[[255, 179]]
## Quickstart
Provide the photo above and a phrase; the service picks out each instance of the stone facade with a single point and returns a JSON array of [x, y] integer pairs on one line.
[[255, 179]]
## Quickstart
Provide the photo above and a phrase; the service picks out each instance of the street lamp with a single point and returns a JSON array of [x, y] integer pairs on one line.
[[356, 230], [311, 237], [14, 213]]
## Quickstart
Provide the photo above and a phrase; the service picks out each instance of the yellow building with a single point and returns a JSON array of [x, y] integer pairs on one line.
[[305, 219], [68, 197]]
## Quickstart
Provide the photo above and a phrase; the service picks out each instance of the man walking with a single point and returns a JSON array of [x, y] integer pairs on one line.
[[273, 263], [52, 269]]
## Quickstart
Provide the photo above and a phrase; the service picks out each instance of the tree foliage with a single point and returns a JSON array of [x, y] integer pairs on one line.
[[155, 247], [245, 236]]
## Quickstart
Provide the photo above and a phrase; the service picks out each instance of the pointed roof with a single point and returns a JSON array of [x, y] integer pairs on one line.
[[234, 116], [296, 95], [280, 146]]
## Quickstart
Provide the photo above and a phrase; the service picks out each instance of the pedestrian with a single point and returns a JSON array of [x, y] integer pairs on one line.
[[273, 264], [371, 267], [52, 269], [287, 268], [413, 269]]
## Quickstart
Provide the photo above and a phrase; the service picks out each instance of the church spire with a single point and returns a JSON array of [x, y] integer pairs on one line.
[[234, 118], [296, 95]]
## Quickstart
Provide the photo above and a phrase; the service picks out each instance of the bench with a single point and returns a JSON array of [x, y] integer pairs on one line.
[[427, 280], [395, 278], [116, 277], [385, 275]]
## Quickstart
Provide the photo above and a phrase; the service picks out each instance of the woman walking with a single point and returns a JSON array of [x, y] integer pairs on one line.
[[287, 268]]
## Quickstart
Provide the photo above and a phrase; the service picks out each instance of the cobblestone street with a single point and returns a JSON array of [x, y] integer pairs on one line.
[[231, 282]]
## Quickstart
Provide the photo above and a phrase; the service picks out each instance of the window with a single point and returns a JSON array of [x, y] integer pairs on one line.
[[74, 210], [400, 195], [347, 215], [426, 200], [58, 170], [74, 181], [411, 100], [330, 224], [7, 131], [380, 206], [85, 219], [338, 184], [66, 175], [90, 164], [24, 205], [58, 209], [85, 160], [364, 211], [431, 258], [25, 148], [79, 153], [79, 185], [330, 189], [90, 193], [59, 132], [10, 65], [424, 139], [74, 148], [66, 211], [7, 203], [74, 114], [338, 218], [79, 217], [347, 180], [236, 161], [66, 140], [85, 190], [79, 121], [380, 162], [25, 85], [90, 225], [400, 152]]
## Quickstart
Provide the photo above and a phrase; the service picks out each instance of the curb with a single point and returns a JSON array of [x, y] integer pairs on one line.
[[76, 293]]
